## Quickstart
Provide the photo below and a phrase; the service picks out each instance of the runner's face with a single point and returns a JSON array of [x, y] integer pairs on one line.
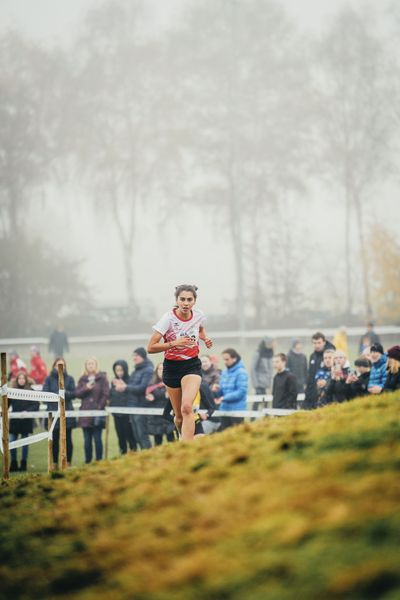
[[185, 302]]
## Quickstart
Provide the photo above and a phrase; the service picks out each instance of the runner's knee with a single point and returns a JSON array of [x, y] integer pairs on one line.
[[187, 410]]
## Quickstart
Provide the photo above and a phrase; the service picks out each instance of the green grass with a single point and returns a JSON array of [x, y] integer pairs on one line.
[[305, 506]]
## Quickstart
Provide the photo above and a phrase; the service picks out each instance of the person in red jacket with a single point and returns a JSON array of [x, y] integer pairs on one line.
[[38, 367], [16, 365]]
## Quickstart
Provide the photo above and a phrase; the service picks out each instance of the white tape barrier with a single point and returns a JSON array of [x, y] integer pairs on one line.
[[39, 396], [26, 441], [256, 399], [29, 395], [42, 414]]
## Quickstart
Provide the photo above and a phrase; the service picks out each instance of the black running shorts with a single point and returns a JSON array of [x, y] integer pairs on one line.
[[174, 370]]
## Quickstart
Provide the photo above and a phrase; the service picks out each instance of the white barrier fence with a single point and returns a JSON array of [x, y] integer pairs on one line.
[[40, 396]]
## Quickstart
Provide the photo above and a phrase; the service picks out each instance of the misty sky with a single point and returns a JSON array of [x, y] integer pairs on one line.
[[191, 250]]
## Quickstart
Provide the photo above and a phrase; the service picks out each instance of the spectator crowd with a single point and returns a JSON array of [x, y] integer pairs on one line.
[[326, 377]]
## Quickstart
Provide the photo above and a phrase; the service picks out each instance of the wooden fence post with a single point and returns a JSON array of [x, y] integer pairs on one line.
[[107, 436], [63, 421], [4, 408], [50, 463]]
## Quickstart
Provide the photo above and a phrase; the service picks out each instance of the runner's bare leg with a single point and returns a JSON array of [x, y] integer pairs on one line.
[[175, 395], [190, 387]]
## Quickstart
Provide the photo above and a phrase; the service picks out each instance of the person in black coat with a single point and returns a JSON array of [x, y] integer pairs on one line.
[[320, 344], [284, 386], [136, 387], [156, 398], [393, 378], [51, 385], [357, 384], [58, 341], [120, 398], [21, 427], [297, 364], [336, 391], [369, 338]]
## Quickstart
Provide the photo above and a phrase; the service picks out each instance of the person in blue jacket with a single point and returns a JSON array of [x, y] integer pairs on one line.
[[378, 375], [233, 386]]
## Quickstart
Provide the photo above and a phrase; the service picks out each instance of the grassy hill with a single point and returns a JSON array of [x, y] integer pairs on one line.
[[302, 507]]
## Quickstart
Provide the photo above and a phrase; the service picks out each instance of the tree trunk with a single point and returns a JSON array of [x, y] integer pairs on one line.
[[258, 300], [126, 241], [349, 291], [364, 259], [237, 244]]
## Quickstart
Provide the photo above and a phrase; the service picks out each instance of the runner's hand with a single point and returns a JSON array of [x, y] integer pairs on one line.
[[208, 342], [183, 342]]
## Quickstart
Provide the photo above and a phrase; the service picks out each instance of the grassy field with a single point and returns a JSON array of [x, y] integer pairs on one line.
[[302, 507]]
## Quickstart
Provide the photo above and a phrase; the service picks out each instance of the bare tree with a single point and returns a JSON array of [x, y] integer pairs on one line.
[[242, 80], [354, 126], [28, 122], [123, 130]]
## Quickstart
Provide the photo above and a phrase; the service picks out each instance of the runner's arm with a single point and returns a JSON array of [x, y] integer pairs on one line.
[[155, 345], [203, 336]]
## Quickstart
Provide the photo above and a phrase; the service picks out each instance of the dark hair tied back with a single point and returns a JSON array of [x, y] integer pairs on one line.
[[186, 288]]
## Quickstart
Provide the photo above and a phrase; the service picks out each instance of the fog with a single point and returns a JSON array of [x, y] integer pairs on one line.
[[248, 147]]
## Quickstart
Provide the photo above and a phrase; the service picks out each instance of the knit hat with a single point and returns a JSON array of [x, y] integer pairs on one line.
[[362, 362], [377, 348], [394, 352], [141, 352]]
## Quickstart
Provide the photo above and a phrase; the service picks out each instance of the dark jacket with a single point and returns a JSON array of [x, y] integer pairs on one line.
[[297, 364], [261, 371], [158, 425], [92, 399], [336, 391], [120, 398], [315, 363], [284, 390], [373, 339], [357, 388], [58, 343], [392, 382], [323, 373], [213, 375], [51, 385], [138, 381], [22, 426]]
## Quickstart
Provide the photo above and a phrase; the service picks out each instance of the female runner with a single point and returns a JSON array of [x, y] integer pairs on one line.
[[181, 329]]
